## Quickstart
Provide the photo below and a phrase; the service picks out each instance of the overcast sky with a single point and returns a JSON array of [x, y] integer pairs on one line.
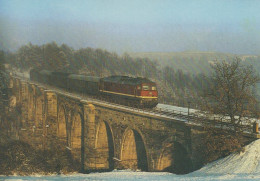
[[134, 25]]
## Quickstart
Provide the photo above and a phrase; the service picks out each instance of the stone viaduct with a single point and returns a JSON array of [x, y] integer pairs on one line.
[[103, 136]]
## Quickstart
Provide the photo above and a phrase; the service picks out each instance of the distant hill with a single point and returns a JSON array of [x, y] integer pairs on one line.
[[192, 62]]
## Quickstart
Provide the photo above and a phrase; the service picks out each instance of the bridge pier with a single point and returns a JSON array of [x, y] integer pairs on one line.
[[89, 136], [24, 101], [50, 118], [97, 140]]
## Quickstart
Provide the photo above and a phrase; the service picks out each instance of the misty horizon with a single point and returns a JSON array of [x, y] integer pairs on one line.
[[138, 26]]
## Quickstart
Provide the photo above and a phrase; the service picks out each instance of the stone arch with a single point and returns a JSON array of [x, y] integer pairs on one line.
[[62, 123], [104, 145], [11, 83], [174, 158], [39, 111], [18, 90], [133, 151], [31, 102], [76, 131], [166, 157]]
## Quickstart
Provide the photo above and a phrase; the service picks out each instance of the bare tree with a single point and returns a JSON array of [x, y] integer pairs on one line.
[[231, 91]]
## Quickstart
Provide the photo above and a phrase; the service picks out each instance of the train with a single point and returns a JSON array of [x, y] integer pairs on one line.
[[130, 91]]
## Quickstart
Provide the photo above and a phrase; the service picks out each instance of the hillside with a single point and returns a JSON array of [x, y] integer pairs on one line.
[[188, 54], [247, 162], [192, 62]]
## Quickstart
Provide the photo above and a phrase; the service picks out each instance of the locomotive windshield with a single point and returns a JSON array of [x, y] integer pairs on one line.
[[145, 87]]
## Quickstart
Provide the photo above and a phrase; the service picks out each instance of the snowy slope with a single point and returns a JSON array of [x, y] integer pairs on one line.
[[134, 176], [243, 163]]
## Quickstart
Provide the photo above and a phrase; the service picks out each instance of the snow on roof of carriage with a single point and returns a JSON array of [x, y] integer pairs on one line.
[[84, 77], [247, 162]]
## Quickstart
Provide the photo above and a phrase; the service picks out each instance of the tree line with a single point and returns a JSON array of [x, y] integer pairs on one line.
[[175, 86]]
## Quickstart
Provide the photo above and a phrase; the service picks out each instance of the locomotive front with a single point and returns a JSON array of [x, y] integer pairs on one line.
[[133, 91], [147, 92]]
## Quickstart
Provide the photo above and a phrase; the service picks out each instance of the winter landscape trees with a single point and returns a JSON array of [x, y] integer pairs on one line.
[[230, 93], [231, 97]]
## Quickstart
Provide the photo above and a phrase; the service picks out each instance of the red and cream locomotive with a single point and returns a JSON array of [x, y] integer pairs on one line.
[[130, 91]]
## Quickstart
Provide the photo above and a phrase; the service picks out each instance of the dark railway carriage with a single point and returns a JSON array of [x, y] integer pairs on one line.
[[130, 91], [83, 84], [45, 76], [59, 79]]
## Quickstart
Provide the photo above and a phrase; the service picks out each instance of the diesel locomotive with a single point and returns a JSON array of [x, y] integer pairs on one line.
[[130, 91]]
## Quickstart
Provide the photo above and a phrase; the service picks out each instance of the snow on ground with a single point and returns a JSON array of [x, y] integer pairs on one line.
[[237, 163], [133, 176], [184, 111], [236, 167], [171, 108]]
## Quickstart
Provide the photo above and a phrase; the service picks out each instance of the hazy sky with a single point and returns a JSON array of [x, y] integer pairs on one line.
[[134, 25]]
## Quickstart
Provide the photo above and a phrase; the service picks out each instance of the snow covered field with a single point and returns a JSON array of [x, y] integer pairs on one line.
[[149, 176], [242, 166]]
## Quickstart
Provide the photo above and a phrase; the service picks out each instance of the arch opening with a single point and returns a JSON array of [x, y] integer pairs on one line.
[[175, 159], [76, 132], [30, 103], [133, 152], [18, 90], [39, 112], [105, 147], [62, 131], [166, 158]]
